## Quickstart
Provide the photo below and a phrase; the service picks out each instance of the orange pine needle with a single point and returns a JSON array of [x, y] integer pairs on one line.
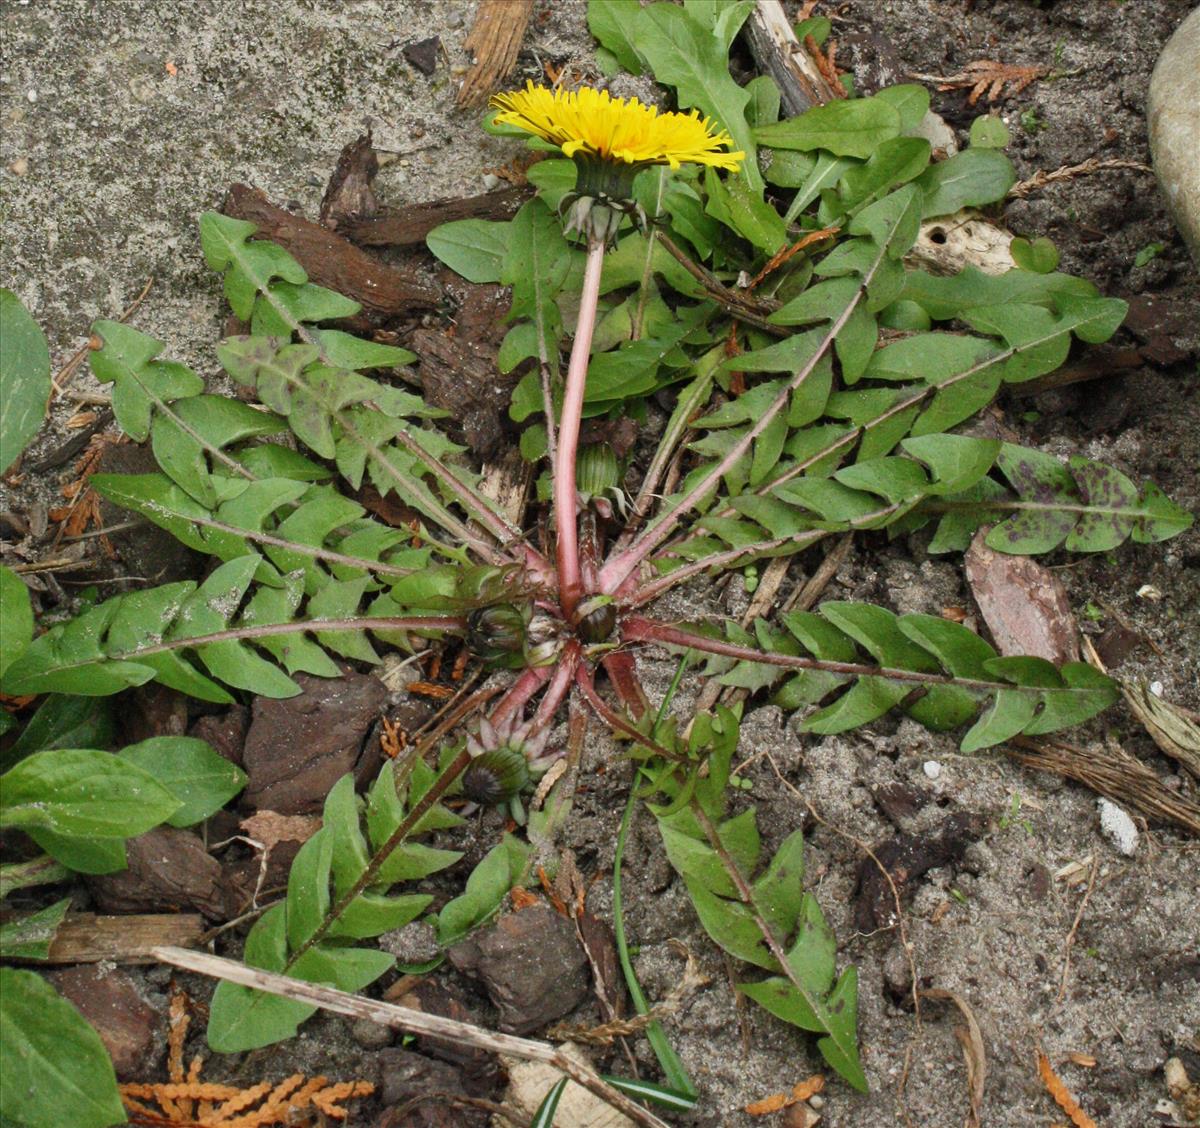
[[801, 1091], [426, 689], [1061, 1094]]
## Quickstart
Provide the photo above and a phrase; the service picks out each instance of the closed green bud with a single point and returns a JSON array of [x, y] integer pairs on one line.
[[496, 776], [596, 470]]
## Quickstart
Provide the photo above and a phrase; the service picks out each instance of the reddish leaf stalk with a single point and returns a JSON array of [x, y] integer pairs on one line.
[[564, 674], [569, 579]]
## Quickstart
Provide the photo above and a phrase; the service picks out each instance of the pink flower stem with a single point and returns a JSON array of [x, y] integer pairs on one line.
[[570, 584]]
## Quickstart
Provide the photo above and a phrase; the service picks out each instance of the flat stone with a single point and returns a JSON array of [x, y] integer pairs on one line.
[[126, 1023], [1173, 112]]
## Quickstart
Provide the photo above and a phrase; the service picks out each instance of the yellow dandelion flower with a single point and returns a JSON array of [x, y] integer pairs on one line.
[[611, 140], [591, 123]]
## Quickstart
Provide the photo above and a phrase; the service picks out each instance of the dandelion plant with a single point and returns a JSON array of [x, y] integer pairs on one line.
[[751, 278]]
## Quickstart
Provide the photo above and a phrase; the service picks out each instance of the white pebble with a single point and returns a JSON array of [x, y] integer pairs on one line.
[[1156, 687], [1118, 827], [32, 95], [932, 768]]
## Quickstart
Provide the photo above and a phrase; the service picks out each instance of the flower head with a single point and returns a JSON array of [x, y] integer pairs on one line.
[[593, 123], [611, 140]]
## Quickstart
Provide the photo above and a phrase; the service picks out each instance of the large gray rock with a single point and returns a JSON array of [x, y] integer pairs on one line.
[[1173, 109]]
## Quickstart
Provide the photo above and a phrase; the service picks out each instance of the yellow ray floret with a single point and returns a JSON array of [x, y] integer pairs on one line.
[[592, 123]]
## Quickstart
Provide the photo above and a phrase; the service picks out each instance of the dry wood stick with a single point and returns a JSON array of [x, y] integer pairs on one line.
[[404, 1018]]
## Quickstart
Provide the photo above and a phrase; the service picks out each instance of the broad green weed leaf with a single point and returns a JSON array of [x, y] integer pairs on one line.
[[610, 23], [1039, 255], [688, 56], [83, 792], [24, 378], [63, 721], [29, 937], [911, 102], [198, 777], [474, 248], [56, 1070], [968, 179], [16, 612], [853, 127]]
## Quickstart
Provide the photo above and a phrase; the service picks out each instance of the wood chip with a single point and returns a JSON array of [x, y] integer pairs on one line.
[[88, 938]]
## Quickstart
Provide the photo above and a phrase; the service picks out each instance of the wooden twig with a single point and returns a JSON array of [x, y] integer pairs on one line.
[[408, 1020], [1041, 178], [971, 1040], [408, 226], [1087, 894], [778, 52], [332, 260], [495, 39]]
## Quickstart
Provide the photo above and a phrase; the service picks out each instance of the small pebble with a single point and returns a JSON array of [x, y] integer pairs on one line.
[[1156, 687], [32, 95], [370, 1035], [19, 167], [1118, 827], [1150, 592], [932, 768]]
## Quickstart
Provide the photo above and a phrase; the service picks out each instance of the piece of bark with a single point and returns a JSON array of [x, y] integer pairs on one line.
[[495, 39], [299, 747], [128, 1026], [507, 482], [1023, 603], [1101, 362], [129, 939], [350, 195], [153, 710], [168, 868], [1176, 734], [480, 1071], [460, 375], [408, 226], [781, 55], [1165, 326], [332, 260], [420, 1093]]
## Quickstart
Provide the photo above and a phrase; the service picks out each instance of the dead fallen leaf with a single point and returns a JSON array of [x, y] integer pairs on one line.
[[1023, 603], [269, 828]]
